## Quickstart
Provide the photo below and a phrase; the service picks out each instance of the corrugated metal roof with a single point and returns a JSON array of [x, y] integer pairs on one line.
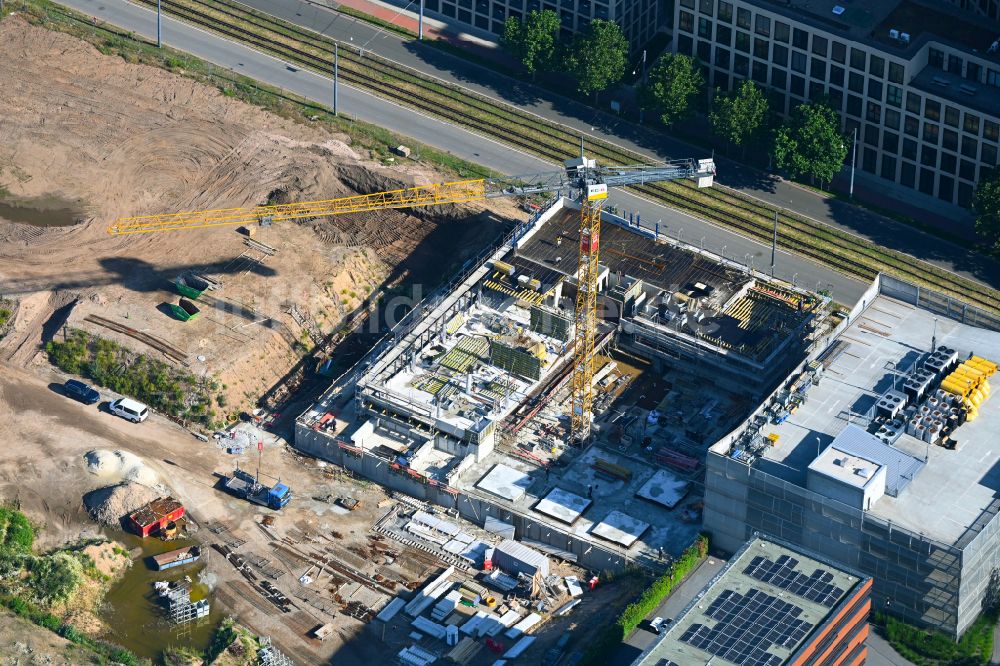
[[900, 467]]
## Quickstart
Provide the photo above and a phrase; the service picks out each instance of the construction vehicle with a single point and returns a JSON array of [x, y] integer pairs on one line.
[[247, 486], [581, 175]]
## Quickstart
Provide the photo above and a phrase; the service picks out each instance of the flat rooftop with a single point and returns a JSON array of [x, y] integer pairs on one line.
[[955, 488], [763, 606]]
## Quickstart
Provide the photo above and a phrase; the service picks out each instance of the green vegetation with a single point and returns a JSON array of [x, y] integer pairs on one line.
[[598, 57], [608, 638], [927, 647], [167, 389], [32, 586], [810, 143], [986, 204], [738, 116], [675, 81], [6, 312], [534, 40]]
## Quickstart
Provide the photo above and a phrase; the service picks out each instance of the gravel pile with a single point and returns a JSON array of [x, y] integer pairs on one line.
[[120, 466], [110, 504]]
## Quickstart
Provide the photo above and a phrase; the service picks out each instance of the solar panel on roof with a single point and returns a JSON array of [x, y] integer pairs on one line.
[[815, 587]]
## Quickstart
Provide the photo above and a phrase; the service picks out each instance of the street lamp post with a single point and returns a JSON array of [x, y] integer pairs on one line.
[[854, 159], [702, 243], [774, 241], [336, 77], [724, 251], [794, 275], [420, 22], [159, 26]]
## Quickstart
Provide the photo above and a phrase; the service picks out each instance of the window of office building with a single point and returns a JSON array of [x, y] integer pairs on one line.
[[967, 170], [815, 91], [839, 52], [928, 156], [685, 44], [724, 35], [892, 119], [817, 69], [970, 147], [894, 95], [858, 59], [951, 116], [836, 76], [800, 39], [820, 45], [889, 167], [871, 134], [935, 58], [704, 28], [705, 7], [762, 25], [874, 113], [930, 133], [836, 97], [743, 18], [971, 124], [726, 12], [912, 102], [973, 71], [911, 126], [876, 66], [779, 78], [742, 65], [690, 4], [932, 110], [856, 82], [949, 140], [799, 62], [948, 162], [910, 149], [955, 64], [759, 72], [964, 195], [798, 86], [993, 77], [780, 55], [890, 142], [704, 51], [760, 48], [907, 173], [991, 130], [721, 58], [927, 181], [781, 31], [686, 22], [742, 41], [988, 156], [895, 72], [946, 187], [854, 105], [875, 89], [869, 159], [721, 80]]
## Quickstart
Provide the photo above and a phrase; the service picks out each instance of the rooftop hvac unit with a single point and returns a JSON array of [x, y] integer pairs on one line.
[[837, 10], [893, 33], [904, 37]]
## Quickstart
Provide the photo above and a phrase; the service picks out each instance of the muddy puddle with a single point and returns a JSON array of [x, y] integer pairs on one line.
[[132, 609], [48, 212]]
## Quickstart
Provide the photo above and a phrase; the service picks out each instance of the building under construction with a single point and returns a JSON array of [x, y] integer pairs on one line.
[[465, 404]]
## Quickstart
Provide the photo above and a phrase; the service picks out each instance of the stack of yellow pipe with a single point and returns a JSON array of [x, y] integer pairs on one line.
[[970, 382]]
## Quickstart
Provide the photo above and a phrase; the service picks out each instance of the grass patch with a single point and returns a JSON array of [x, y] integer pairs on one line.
[[610, 637], [927, 647], [16, 533], [165, 388]]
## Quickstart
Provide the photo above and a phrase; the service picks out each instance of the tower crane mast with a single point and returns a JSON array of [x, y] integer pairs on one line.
[[580, 174]]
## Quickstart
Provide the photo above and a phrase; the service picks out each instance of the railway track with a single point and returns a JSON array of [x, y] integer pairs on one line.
[[841, 251]]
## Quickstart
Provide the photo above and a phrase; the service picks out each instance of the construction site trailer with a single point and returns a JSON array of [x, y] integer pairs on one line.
[[515, 558], [152, 517]]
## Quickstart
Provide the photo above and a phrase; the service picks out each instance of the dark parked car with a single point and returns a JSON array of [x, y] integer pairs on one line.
[[80, 391]]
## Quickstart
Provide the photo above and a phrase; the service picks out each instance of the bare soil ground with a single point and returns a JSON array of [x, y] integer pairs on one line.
[[24, 644], [118, 139]]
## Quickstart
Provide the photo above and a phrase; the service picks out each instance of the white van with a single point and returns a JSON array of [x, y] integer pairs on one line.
[[127, 408]]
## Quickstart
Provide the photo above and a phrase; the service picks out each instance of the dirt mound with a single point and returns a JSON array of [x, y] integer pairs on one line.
[[110, 504], [121, 466]]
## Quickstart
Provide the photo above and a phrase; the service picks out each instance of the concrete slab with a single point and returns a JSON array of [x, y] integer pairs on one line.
[[505, 482], [664, 488], [563, 505], [620, 528]]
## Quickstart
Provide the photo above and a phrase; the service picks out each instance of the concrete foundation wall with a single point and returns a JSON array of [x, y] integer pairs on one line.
[[475, 509]]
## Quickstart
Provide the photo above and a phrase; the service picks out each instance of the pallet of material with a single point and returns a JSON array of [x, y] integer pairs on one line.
[[446, 605], [519, 647], [416, 656], [523, 626], [464, 652], [425, 626], [612, 470], [676, 460], [430, 593]]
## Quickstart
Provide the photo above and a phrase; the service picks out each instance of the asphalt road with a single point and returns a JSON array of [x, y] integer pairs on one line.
[[460, 142]]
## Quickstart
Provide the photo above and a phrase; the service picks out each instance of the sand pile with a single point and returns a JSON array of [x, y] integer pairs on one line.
[[121, 466], [110, 504]]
